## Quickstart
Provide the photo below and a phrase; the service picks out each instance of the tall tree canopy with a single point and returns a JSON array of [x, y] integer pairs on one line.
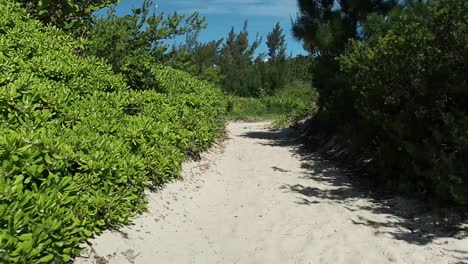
[[276, 43], [326, 25], [275, 70], [236, 61]]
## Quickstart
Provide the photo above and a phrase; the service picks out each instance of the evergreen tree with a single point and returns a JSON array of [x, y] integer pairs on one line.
[[276, 43], [198, 59], [276, 71], [236, 61], [325, 27]]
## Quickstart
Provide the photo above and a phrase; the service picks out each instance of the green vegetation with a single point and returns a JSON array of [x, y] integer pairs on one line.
[[392, 83], [268, 86], [325, 27], [95, 110], [235, 65], [78, 146], [290, 104], [71, 15], [134, 43], [417, 120]]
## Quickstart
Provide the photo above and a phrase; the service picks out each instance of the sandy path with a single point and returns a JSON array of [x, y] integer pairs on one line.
[[259, 200]]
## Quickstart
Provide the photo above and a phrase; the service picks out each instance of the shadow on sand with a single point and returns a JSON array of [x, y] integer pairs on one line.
[[406, 220]]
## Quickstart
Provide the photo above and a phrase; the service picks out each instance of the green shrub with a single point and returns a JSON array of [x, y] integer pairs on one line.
[[249, 109], [410, 92], [77, 146]]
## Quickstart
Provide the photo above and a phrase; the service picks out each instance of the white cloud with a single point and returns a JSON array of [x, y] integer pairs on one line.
[[272, 8]]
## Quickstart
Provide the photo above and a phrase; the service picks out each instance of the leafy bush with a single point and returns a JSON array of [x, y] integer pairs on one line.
[[77, 146], [409, 91]]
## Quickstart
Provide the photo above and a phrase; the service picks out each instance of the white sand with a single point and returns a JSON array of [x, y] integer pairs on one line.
[[255, 200]]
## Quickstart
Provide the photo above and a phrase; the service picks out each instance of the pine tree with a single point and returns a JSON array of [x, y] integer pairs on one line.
[[276, 43], [275, 71], [198, 59], [236, 61], [325, 27]]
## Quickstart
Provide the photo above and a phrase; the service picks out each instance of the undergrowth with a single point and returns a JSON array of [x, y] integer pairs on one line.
[[289, 104]]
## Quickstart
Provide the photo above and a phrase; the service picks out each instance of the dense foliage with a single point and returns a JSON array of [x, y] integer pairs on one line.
[[77, 145], [300, 68], [325, 27], [397, 91], [71, 15], [409, 90]]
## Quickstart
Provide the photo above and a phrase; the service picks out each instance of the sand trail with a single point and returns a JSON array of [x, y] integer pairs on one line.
[[260, 199]]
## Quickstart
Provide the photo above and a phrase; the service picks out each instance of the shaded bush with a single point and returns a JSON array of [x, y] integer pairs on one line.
[[408, 92]]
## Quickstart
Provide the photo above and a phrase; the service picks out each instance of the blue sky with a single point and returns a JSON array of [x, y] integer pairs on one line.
[[221, 15]]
